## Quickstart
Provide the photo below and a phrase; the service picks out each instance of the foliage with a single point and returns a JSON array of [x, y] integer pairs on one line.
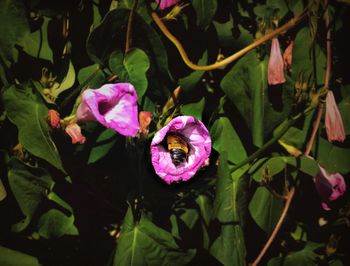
[[101, 202]]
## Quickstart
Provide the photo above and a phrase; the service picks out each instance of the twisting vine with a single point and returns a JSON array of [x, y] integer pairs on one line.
[[290, 24], [291, 193]]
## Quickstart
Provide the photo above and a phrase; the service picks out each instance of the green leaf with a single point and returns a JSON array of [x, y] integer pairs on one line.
[[10, 257], [54, 224], [97, 80], [28, 112], [298, 137], [226, 139], [344, 108], [132, 68], [143, 243], [205, 11], [265, 209], [302, 59], [189, 82], [13, 28], [278, 164], [229, 210], [141, 9], [29, 186], [36, 43], [331, 157], [67, 82], [109, 36], [246, 86], [306, 256], [194, 109], [103, 145]]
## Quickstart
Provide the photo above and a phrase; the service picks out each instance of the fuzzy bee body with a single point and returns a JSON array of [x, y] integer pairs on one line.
[[178, 148]]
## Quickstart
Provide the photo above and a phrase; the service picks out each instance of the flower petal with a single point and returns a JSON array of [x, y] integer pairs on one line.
[[112, 105], [74, 131], [333, 120], [166, 3], [275, 71], [199, 142], [329, 186]]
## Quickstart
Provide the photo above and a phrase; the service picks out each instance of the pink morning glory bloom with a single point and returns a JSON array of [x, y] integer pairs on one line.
[[74, 131], [199, 143], [334, 123], [275, 69], [329, 186], [166, 3], [112, 105]]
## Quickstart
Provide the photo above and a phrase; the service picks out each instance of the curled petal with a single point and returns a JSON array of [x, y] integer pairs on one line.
[[3, 192], [333, 120], [112, 105], [53, 117], [74, 131], [145, 120], [287, 56], [329, 186], [163, 4], [199, 143], [275, 71]]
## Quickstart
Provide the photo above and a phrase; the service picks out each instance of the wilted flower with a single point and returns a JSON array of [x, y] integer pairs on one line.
[[196, 142], [74, 131], [287, 56], [113, 105], [3, 192], [145, 119], [275, 74], [334, 123], [163, 4], [329, 186], [53, 117]]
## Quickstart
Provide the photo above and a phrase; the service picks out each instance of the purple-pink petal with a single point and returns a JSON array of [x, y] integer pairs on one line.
[[329, 186], [333, 120], [199, 141], [275, 69], [166, 3], [112, 105]]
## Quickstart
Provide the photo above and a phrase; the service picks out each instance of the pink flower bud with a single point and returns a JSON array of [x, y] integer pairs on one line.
[[53, 117], [287, 56], [198, 149], [145, 120], [112, 105], [275, 70], [74, 131], [329, 186], [166, 3], [334, 123]]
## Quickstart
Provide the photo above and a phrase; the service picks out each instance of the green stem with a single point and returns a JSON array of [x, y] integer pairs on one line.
[[285, 126], [129, 27], [79, 88]]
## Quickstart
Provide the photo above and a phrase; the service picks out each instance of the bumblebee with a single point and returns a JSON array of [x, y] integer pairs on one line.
[[178, 148]]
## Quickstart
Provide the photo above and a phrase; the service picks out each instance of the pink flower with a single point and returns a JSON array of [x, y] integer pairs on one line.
[[74, 131], [287, 56], [275, 74], [334, 123], [112, 105], [198, 141], [166, 3], [329, 186], [145, 119], [53, 117]]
